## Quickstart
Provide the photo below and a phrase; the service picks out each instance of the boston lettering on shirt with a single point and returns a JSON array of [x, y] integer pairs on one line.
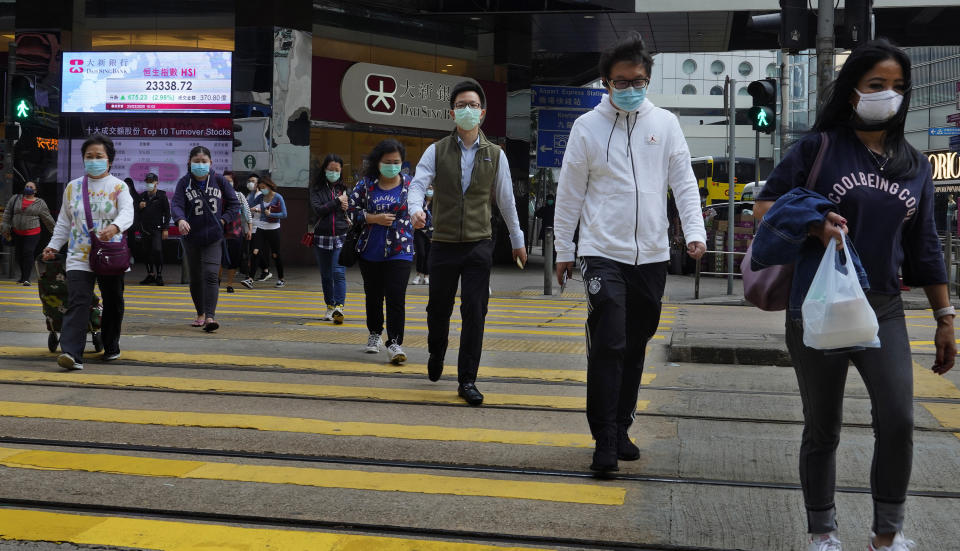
[[196, 197], [889, 217]]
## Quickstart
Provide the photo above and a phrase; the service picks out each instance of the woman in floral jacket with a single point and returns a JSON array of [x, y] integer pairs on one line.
[[379, 202]]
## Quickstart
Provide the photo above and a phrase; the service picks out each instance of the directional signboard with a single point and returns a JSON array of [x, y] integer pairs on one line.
[[558, 107], [945, 131]]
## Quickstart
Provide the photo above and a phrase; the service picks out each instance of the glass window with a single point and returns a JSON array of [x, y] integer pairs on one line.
[[716, 91], [745, 68], [743, 91], [772, 70], [717, 67], [689, 90], [689, 66]]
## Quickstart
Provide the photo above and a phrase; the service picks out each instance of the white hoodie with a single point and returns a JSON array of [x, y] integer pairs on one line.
[[614, 183]]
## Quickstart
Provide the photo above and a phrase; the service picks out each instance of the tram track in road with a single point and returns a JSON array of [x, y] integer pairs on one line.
[[432, 466], [382, 530]]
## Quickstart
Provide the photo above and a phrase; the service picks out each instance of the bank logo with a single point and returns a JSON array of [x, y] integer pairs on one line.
[[75, 65], [381, 94]]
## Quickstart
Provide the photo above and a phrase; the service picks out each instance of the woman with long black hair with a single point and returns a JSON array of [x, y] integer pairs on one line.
[[328, 218], [203, 203], [881, 190], [379, 202]]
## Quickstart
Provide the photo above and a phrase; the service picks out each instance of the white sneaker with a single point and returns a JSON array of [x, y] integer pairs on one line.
[[824, 542], [900, 543], [416, 280], [374, 342], [396, 354], [426, 280], [67, 361], [329, 316]]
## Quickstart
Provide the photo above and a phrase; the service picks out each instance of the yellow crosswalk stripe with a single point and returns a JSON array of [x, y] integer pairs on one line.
[[295, 424], [317, 477], [928, 384], [291, 389], [20, 524]]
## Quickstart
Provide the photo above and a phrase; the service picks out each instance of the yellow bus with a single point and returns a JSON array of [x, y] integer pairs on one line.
[[711, 173]]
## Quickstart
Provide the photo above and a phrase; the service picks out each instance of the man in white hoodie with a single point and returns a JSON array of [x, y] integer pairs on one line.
[[620, 160]]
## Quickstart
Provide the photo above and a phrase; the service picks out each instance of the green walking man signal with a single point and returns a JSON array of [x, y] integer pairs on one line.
[[762, 119], [23, 110], [763, 114]]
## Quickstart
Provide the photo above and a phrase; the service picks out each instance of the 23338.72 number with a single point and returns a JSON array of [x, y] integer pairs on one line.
[[169, 85]]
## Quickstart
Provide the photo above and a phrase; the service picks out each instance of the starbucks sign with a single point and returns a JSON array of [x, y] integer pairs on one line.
[[379, 94]]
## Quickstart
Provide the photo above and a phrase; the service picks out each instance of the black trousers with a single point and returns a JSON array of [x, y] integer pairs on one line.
[[73, 333], [623, 312], [469, 265], [386, 281], [25, 248], [422, 244], [267, 244], [152, 244]]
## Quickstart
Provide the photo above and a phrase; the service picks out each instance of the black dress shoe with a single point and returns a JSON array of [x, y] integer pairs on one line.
[[605, 457], [469, 392], [435, 368], [626, 450]]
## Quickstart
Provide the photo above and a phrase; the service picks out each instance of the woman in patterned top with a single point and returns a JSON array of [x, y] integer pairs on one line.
[[112, 213], [379, 201]]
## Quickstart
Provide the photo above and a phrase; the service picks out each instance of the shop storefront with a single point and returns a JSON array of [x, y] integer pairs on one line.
[[946, 180]]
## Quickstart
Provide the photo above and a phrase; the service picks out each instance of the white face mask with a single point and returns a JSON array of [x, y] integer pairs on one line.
[[878, 107], [251, 186]]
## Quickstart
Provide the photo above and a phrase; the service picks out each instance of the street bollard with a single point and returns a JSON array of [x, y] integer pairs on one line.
[[548, 272]]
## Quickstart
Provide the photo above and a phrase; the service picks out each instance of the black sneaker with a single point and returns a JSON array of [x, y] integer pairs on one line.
[[248, 283], [159, 280], [148, 280], [605, 457], [626, 450], [470, 394], [435, 367], [229, 289]]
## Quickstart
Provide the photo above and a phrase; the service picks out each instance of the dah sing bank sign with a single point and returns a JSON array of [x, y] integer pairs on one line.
[[379, 94]]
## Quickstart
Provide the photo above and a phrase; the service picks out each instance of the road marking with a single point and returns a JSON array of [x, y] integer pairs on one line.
[[928, 383], [317, 477], [296, 424], [160, 358], [290, 389], [20, 524]]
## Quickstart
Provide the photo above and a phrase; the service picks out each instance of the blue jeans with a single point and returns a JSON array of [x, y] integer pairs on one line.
[[332, 276]]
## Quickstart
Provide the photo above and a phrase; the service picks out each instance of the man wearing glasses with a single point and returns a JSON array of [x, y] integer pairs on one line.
[[467, 173], [620, 160]]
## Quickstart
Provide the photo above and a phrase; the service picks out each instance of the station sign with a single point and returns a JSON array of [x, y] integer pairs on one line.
[[146, 82], [565, 97], [394, 96], [557, 107], [945, 131]]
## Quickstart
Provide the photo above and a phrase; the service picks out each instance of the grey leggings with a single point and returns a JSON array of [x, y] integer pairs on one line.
[[887, 373], [204, 263]]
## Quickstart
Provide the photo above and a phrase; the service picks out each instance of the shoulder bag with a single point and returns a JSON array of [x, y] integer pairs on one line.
[[110, 258], [769, 289]]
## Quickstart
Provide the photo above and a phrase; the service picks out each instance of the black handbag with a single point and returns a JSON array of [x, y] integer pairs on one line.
[[349, 253]]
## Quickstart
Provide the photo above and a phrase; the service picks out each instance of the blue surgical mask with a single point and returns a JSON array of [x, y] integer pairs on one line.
[[29, 191], [95, 167], [151, 186], [467, 117], [333, 176], [629, 99], [200, 169], [429, 193], [389, 170]]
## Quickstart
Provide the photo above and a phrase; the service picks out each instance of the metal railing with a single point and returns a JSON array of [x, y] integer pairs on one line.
[[698, 273]]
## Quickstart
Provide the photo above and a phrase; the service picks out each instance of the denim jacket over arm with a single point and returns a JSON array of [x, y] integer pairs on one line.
[[782, 238]]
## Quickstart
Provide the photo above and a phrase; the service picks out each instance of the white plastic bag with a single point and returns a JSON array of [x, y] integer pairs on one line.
[[836, 313]]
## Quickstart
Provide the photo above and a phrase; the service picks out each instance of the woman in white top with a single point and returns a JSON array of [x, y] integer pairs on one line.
[[112, 213]]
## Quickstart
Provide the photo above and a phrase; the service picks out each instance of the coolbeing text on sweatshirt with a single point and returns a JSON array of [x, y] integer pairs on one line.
[[110, 203], [614, 180]]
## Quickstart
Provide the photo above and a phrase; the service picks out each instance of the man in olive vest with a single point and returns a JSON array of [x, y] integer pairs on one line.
[[467, 173]]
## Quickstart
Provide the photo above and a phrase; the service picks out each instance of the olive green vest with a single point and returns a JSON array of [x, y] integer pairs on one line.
[[463, 217]]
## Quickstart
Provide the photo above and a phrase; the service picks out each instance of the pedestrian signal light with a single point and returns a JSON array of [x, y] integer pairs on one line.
[[23, 110], [763, 114]]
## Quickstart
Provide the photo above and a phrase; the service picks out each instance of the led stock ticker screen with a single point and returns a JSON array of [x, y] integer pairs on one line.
[[146, 82]]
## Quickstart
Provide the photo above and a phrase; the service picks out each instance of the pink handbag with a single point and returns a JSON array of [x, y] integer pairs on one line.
[[106, 257], [769, 289]]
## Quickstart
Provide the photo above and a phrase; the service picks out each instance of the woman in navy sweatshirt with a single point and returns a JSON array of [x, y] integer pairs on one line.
[[203, 203]]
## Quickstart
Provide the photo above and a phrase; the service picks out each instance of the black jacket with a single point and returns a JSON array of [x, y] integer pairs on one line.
[[326, 216], [156, 214]]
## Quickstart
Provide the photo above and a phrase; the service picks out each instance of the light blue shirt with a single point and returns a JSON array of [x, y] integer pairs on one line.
[[427, 171]]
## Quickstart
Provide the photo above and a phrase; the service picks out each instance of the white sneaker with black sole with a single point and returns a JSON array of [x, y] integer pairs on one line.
[[396, 354], [374, 342], [281, 283], [67, 361], [248, 283]]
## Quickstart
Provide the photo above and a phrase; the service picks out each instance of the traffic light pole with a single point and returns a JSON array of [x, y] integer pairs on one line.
[[6, 189], [825, 49], [732, 160]]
